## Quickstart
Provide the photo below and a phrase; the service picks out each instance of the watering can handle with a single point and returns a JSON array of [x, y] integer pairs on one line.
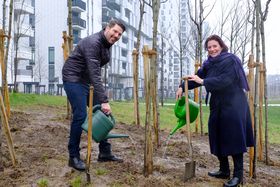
[[95, 108], [98, 107]]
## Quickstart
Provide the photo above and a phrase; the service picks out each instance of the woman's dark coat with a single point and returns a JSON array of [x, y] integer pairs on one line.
[[229, 126]]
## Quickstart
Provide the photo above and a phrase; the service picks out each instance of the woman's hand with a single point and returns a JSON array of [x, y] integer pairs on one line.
[[196, 79], [105, 107], [179, 93]]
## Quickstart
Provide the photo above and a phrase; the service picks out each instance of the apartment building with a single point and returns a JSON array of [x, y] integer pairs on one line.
[[21, 48], [120, 69], [172, 37], [41, 55]]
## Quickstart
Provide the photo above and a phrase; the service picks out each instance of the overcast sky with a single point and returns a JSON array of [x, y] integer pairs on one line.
[[272, 29]]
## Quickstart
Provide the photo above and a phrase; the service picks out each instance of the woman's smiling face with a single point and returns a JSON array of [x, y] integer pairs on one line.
[[214, 48]]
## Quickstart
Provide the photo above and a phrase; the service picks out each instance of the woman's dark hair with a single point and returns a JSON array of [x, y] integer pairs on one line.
[[114, 22], [219, 40]]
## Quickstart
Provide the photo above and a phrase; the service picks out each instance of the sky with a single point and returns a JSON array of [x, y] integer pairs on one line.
[[272, 32]]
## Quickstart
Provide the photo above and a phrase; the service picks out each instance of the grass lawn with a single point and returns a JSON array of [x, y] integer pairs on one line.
[[124, 112]]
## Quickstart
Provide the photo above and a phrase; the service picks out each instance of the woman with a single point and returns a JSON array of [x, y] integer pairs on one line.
[[229, 125]]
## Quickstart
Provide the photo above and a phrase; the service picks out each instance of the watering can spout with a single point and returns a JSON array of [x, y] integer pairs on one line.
[[110, 136], [180, 123], [180, 113]]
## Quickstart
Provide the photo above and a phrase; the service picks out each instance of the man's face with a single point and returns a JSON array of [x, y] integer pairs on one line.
[[113, 34]]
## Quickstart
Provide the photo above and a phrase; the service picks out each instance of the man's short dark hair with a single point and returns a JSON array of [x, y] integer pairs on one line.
[[114, 22]]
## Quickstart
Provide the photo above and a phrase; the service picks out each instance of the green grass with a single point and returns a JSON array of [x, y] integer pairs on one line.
[[19, 99], [124, 112], [42, 182]]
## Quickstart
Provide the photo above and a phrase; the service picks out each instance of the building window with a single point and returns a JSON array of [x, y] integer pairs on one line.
[[124, 39], [51, 72], [51, 55], [51, 64], [51, 89], [123, 65], [124, 53], [127, 13]]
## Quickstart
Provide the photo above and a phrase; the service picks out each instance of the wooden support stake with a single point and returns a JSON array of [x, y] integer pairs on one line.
[[152, 57], [251, 66], [148, 152], [188, 117], [89, 132], [196, 99], [7, 131], [65, 47], [261, 96], [135, 55], [5, 91]]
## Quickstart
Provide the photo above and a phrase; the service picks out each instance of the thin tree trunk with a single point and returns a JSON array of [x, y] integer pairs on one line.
[[161, 72], [136, 66], [263, 19], [148, 151], [251, 66], [200, 61], [8, 41], [156, 7], [70, 28], [257, 4]]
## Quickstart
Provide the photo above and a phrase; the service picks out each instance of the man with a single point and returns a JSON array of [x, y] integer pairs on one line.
[[82, 68]]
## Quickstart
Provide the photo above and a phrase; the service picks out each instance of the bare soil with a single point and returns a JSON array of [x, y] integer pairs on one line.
[[40, 136]]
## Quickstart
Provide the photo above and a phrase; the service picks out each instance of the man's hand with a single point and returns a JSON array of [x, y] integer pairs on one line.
[[105, 107], [179, 93]]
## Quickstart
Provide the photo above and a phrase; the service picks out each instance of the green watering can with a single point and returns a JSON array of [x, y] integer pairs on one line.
[[102, 124], [180, 113]]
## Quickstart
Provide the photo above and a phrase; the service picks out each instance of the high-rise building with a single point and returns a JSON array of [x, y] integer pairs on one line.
[[120, 69], [41, 55], [172, 39], [21, 52]]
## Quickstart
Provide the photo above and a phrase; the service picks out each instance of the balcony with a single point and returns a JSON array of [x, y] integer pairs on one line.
[[125, 19], [114, 14], [25, 30], [24, 54], [20, 7], [78, 6], [112, 4], [78, 23]]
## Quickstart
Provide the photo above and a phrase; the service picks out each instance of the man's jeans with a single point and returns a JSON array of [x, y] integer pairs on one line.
[[78, 95]]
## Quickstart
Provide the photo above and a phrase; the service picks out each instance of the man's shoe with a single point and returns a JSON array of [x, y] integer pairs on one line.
[[77, 163], [235, 181], [108, 158], [219, 174]]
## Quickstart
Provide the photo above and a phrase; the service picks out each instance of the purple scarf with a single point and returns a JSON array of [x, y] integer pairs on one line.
[[237, 66]]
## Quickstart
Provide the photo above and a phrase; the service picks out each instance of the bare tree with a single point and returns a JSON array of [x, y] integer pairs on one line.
[[163, 53], [18, 34], [257, 10], [136, 73], [198, 19], [263, 19], [39, 69], [155, 5]]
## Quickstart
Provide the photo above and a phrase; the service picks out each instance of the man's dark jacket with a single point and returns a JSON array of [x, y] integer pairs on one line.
[[85, 62]]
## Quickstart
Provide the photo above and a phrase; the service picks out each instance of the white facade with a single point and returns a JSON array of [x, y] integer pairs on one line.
[[20, 46], [41, 46], [120, 70]]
